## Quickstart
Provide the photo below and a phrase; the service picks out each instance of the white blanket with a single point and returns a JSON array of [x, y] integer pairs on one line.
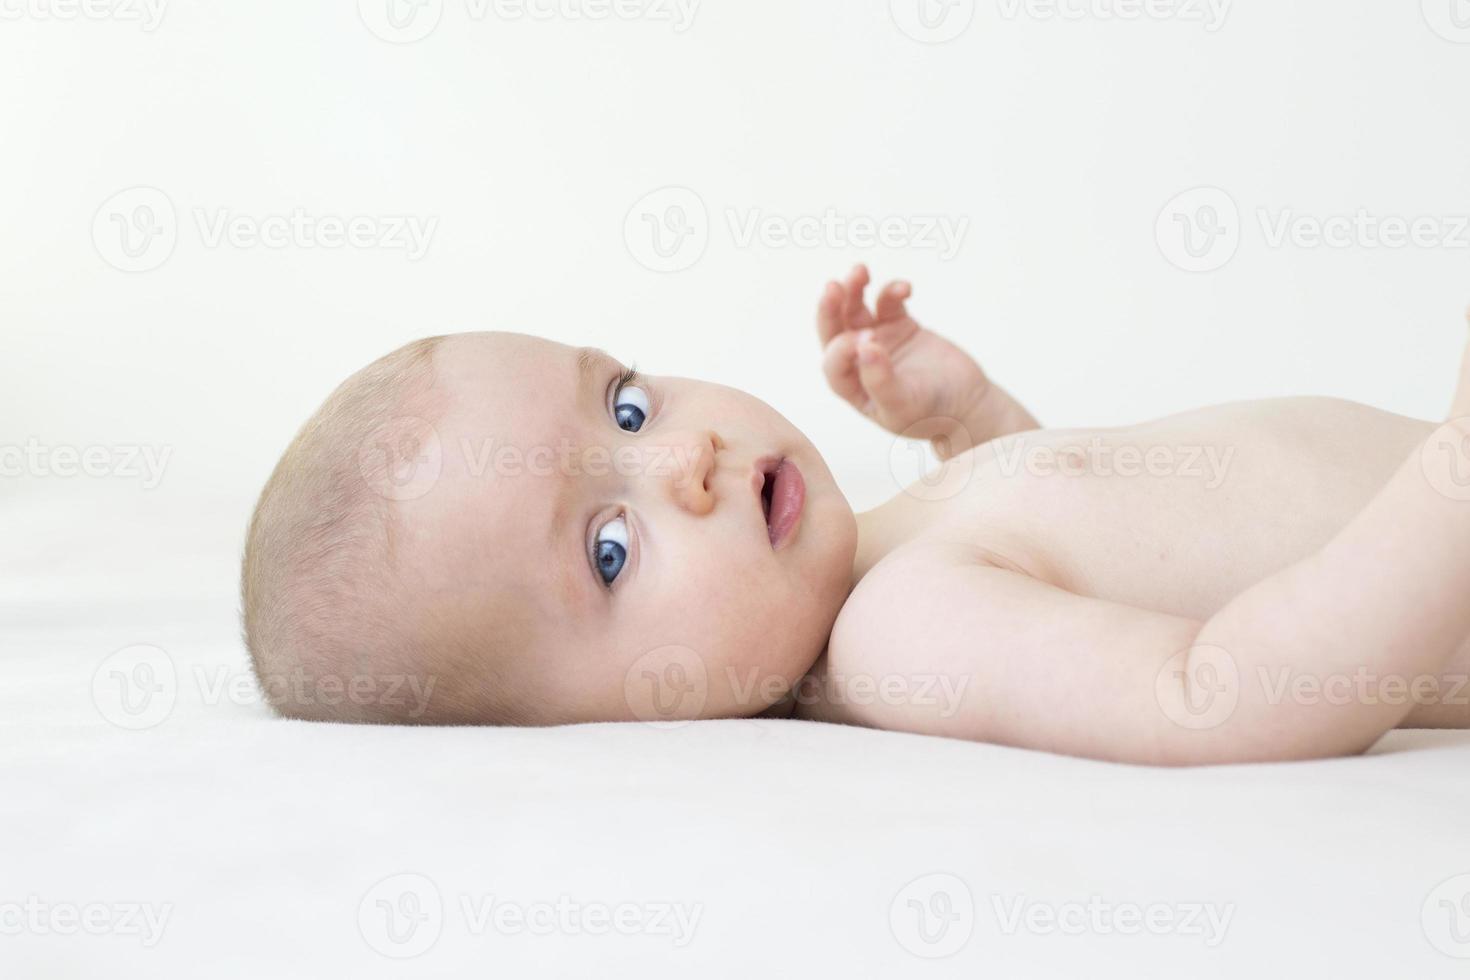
[[217, 841]]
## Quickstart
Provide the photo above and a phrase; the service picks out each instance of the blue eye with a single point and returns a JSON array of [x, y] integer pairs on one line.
[[630, 407], [611, 549]]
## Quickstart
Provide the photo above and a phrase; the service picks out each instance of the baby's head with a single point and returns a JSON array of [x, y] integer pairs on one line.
[[494, 528]]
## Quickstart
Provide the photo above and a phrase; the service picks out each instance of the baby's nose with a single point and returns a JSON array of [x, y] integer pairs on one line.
[[691, 467]]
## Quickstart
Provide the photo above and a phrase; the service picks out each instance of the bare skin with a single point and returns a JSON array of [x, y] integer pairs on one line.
[[1250, 582], [1254, 581]]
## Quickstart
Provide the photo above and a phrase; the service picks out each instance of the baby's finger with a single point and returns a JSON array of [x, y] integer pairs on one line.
[[855, 311], [891, 299], [829, 312], [839, 364], [875, 371]]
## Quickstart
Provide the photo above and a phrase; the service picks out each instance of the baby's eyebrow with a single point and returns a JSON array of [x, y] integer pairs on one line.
[[588, 361]]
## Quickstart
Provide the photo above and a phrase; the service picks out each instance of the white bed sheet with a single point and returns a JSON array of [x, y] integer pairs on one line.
[[787, 845]]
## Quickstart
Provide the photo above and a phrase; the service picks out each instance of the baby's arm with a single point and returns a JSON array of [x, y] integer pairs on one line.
[[1046, 669], [908, 379]]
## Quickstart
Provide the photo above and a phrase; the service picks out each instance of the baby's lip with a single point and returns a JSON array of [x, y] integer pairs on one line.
[[781, 493], [765, 467]]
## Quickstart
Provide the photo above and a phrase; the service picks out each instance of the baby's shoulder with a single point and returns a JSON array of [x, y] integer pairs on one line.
[[907, 636], [919, 590]]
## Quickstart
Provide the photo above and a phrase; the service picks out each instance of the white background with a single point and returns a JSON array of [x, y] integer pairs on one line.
[[1058, 139]]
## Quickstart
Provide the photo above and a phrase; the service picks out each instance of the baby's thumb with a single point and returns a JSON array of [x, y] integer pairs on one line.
[[875, 371]]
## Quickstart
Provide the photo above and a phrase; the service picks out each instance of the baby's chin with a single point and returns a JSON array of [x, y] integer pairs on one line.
[[835, 527], [828, 572], [788, 655]]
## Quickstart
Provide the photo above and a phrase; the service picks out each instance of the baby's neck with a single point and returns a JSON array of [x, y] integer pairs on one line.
[[887, 527], [880, 531]]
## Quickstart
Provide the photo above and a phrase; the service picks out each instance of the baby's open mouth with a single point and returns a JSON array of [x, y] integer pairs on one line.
[[783, 492]]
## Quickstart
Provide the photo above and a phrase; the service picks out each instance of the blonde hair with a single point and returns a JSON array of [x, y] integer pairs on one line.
[[325, 621]]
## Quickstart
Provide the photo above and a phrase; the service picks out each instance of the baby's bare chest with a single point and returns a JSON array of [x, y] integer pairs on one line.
[[1176, 515]]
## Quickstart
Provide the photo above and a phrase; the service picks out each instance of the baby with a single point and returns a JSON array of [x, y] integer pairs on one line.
[[495, 529]]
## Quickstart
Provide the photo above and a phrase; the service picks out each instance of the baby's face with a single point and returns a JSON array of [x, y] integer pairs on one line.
[[613, 545]]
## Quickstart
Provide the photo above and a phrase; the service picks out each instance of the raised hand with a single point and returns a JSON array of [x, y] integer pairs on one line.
[[909, 380]]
